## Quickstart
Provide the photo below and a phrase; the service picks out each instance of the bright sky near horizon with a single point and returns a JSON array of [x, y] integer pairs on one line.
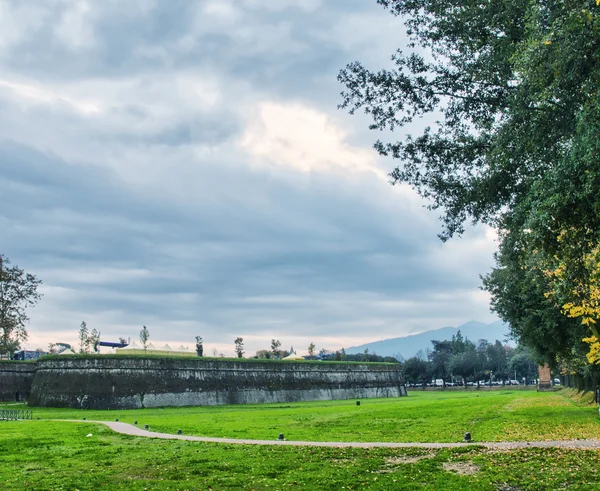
[[183, 165]]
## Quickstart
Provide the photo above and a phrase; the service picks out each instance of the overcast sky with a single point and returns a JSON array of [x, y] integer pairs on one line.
[[182, 164]]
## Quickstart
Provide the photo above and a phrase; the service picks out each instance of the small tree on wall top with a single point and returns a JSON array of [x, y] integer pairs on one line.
[[93, 340], [276, 348], [239, 347], [84, 343], [144, 337], [199, 346]]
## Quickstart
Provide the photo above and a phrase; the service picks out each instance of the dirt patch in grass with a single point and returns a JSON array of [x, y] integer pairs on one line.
[[392, 463], [462, 468], [407, 459]]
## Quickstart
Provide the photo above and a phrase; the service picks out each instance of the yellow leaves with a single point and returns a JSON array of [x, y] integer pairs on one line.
[[584, 290], [593, 356]]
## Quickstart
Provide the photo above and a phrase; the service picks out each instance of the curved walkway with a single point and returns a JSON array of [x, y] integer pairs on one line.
[[129, 429]]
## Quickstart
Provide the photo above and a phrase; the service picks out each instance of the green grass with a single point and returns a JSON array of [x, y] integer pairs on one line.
[[421, 417], [45, 454]]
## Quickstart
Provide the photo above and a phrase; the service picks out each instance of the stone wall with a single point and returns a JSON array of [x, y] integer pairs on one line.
[[16, 378], [127, 383]]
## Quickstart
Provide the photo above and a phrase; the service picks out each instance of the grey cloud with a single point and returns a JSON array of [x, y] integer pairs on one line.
[[147, 211], [216, 268]]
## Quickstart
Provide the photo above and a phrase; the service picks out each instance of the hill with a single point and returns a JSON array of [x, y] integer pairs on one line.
[[408, 346]]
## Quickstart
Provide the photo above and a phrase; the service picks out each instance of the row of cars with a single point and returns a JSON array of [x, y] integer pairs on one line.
[[440, 383]]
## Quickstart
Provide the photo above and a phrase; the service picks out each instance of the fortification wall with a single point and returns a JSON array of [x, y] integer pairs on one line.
[[16, 379], [128, 383]]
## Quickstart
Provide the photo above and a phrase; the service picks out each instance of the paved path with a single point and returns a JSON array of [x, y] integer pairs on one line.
[[128, 429]]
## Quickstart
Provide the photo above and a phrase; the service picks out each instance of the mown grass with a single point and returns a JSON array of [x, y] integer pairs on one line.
[[421, 417], [44, 455]]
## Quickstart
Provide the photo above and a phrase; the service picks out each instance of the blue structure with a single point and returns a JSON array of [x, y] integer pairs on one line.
[[28, 355], [109, 344]]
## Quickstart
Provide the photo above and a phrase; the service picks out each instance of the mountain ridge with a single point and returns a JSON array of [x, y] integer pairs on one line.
[[408, 346]]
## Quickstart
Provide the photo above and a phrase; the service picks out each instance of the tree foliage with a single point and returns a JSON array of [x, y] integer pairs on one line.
[[144, 337], [18, 292], [93, 340], [239, 347], [276, 348], [199, 346], [515, 88], [84, 341], [462, 361]]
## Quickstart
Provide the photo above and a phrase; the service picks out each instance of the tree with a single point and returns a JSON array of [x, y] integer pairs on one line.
[[144, 337], [519, 286], [522, 364], [439, 358], [18, 292], [199, 346], [94, 339], [276, 348], [311, 349], [416, 370], [263, 354], [84, 342], [343, 354], [463, 364], [239, 347], [497, 359], [515, 85]]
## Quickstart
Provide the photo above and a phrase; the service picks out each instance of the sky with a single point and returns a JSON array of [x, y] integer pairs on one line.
[[183, 165]]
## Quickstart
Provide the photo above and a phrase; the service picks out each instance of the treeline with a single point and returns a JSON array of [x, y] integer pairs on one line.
[[463, 361]]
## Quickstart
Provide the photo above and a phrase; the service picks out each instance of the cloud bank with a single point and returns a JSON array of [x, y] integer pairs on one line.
[[184, 166]]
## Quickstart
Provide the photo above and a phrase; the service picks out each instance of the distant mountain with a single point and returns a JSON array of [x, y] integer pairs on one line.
[[408, 346]]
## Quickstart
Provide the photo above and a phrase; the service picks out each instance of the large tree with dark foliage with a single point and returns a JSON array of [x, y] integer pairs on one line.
[[18, 292], [515, 87]]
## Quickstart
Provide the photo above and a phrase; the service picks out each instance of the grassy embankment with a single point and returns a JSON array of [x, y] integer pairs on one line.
[[46, 454]]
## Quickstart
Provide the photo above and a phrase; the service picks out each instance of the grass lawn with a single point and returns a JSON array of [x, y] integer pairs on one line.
[[421, 417], [44, 454]]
